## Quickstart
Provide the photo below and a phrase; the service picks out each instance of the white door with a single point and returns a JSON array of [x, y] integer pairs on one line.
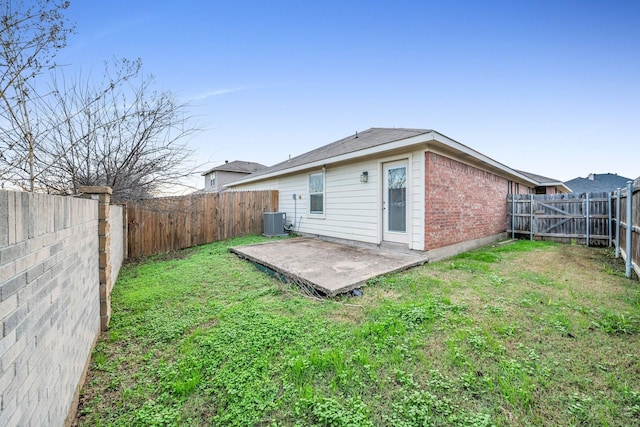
[[394, 202]]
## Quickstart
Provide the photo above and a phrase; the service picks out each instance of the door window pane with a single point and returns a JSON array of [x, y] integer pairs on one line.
[[397, 199]]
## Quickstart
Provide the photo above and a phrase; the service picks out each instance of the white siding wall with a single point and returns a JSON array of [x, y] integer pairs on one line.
[[417, 200], [271, 184], [352, 208]]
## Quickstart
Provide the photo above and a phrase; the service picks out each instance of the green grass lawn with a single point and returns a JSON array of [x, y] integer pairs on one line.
[[526, 333]]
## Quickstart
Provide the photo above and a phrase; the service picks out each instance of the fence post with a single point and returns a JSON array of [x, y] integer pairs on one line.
[[609, 223], [530, 216], [587, 222], [618, 207], [103, 196], [629, 221], [513, 216]]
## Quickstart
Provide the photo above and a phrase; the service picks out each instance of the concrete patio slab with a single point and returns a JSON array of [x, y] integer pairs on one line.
[[330, 268]]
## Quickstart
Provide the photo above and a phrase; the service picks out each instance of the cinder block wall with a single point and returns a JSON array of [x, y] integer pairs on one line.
[[462, 202], [49, 304], [116, 221]]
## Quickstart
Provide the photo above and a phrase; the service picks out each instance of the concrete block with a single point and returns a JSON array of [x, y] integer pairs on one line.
[[12, 352], [4, 218], [8, 305], [11, 253], [35, 272], [22, 226], [11, 413], [7, 271], [55, 248], [11, 211], [49, 263], [10, 287], [6, 342], [16, 317]]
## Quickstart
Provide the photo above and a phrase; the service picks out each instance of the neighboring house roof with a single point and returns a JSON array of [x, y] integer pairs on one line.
[[597, 182], [374, 141], [546, 181], [239, 166]]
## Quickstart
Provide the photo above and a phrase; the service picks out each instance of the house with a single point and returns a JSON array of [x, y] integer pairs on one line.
[[216, 178], [411, 187], [597, 182], [547, 185]]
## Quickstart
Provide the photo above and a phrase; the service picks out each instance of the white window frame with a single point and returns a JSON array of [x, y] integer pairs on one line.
[[212, 179], [322, 193]]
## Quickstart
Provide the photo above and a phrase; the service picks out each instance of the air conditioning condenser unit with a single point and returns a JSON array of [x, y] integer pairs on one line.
[[274, 224]]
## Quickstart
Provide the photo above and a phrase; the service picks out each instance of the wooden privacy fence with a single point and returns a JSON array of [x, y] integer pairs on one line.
[[626, 226], [166, 224], [580, 218], [594, 219]]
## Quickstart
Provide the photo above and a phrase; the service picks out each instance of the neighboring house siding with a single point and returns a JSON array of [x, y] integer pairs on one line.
[[222, 178], [462, 202]]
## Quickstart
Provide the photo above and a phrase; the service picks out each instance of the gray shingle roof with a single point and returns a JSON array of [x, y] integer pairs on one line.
[[356, 142], [543, 180], [374, 137], [238, 166], [600, 182]]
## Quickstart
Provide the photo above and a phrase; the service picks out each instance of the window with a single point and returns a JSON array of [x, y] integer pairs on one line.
[[212, 180], [316, 193]]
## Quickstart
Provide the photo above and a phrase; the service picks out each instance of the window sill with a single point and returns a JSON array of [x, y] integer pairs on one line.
[[315, 216]]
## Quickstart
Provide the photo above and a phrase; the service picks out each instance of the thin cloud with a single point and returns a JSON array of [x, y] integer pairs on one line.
[[218, 92]]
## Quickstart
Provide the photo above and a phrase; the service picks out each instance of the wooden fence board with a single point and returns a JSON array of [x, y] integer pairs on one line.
[[633, 223], [167, 224], [560, 217]]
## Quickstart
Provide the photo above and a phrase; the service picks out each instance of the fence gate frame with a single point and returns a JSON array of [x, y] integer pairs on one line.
[[583, 218]]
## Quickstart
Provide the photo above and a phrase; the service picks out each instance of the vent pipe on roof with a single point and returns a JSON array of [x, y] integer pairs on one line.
[[226, 161], [356, 134]]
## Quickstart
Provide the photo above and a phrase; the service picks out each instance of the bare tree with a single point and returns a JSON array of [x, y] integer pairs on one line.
[[30, 36], [120, 133]]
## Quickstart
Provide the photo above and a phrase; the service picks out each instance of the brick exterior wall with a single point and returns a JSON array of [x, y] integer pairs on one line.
[[462, 202], [49, 304]]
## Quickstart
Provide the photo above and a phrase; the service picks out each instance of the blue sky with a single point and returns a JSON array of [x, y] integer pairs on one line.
[[548, 87]]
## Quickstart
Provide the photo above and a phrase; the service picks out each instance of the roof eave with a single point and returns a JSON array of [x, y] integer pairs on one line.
[[481, 157], [390, 146], [424, 138]]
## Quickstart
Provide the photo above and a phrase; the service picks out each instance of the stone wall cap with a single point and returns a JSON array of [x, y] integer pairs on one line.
[[91, 189]]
